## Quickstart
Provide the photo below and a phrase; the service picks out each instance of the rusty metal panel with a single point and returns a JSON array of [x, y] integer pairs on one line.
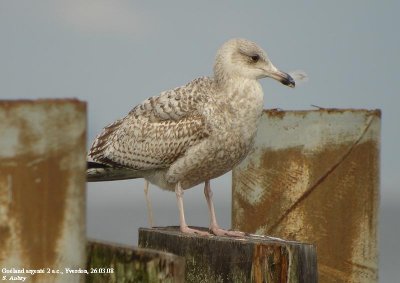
[[42, 189], [314, 177]]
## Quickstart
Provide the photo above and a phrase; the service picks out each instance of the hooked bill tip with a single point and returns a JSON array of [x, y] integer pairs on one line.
[[288, 81]]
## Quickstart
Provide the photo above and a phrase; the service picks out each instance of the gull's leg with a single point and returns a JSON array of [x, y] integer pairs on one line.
[[148, 204], [182, 222], [214, 227]]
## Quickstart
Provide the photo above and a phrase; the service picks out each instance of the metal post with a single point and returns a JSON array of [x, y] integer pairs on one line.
[[314, 177], [42, 190]]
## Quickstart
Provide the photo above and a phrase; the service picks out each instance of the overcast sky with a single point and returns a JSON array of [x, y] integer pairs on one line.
[[114, 54]]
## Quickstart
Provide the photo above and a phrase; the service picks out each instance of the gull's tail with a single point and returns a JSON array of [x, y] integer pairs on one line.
[[98, 172]]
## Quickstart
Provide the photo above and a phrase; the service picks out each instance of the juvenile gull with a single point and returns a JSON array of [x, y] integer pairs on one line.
[[190, 134]]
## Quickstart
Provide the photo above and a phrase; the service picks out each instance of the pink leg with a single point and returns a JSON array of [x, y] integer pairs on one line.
[[214, 227], [182, 222], [148, 204]]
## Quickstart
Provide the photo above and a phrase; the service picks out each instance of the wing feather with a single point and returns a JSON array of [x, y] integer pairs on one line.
[[156, 132]]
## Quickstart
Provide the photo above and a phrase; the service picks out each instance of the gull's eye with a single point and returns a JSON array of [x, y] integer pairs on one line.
[[255, 58]]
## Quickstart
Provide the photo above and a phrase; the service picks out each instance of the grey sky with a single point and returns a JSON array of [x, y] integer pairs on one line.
[[114, 54]]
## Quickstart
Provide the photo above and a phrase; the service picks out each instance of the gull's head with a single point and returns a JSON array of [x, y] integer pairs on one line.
[[241, 58]]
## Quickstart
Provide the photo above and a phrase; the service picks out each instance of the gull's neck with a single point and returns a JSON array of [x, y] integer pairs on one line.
[[230, 85], [242, 100]]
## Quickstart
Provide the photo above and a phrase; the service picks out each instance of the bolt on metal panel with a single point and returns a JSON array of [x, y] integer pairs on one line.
[[314, 177], [42, 189]]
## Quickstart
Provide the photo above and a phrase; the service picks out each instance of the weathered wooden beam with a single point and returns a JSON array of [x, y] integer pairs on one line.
[[225, 259], [118, 263], [42, 189], [314, 177]]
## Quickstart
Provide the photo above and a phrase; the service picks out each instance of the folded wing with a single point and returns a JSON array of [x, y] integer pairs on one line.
[[156, 132]]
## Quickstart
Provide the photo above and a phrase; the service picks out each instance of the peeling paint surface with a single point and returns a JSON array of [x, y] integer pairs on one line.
[[42, 186], [314, 177]]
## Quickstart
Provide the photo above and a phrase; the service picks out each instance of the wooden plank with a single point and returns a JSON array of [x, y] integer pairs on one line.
[[227, 259], [42, 189], [314, 177], [118, 263]]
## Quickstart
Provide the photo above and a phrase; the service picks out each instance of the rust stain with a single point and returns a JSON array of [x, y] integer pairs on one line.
[[256, 268], [329, 198], [270, 264], [39, 182], [339, 213], [322, 178], [280, 114], [5, 235], [271, 174], [275, 113], [39, 207]]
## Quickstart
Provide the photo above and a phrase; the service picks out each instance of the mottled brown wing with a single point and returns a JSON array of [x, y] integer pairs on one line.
[[156, 132]]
